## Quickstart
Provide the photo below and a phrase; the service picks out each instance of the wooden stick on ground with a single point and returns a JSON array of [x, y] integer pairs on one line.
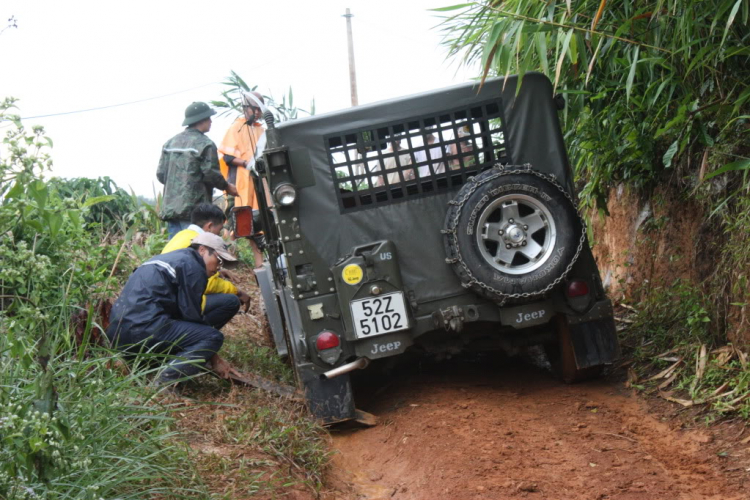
[[265, 384], [222, 369]]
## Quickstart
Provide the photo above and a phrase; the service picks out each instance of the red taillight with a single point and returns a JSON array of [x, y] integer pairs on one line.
[[243, 221], [327, 340], [578, 288]]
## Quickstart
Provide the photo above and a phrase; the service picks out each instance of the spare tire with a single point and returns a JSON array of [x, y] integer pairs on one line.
[[512, 232]]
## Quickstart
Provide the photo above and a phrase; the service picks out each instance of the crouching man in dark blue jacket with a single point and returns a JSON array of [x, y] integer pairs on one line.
[[159, 310]]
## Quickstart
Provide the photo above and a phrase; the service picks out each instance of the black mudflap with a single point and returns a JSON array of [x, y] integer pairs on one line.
[[330, 400], [594, 343]]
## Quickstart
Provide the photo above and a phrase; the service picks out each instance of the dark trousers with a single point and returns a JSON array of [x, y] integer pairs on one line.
[[195, 344], [220, 308], [191, 344]]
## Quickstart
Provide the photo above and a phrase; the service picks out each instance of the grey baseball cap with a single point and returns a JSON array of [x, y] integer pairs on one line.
[[216, 243]]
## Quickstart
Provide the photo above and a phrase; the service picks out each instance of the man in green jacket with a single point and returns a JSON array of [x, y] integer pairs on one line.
[[189, 169]]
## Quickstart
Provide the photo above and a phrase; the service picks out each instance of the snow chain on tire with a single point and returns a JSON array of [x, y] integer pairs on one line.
[[456, 206]]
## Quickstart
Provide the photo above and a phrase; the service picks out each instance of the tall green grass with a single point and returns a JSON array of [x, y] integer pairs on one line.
[[73, 424], [80, 429]]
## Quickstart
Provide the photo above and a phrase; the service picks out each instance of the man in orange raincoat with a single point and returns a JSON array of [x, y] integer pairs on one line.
[[237, 154]]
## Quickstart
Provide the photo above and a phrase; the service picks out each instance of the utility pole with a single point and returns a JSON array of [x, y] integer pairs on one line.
[[352, 70]]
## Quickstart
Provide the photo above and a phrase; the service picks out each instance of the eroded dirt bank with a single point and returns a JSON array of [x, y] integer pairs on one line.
[[471, 430]]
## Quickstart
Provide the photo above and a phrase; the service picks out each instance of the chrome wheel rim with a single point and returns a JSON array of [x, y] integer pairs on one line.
[[516, 234]]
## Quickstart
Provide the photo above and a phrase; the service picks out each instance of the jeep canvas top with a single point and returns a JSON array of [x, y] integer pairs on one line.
[[442, 222]]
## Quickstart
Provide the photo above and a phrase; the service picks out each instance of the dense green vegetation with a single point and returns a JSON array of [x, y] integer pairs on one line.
[[647, 84], [74, 421], [108, 204]]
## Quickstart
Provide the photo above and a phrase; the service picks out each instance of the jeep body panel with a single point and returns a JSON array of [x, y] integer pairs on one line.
[[532, 134], [358, 238]]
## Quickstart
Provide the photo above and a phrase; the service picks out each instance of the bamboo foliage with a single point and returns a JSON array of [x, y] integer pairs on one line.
[[646, 82], [282, 110]]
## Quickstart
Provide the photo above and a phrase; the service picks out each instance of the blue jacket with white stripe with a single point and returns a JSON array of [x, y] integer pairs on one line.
[[163, 289]]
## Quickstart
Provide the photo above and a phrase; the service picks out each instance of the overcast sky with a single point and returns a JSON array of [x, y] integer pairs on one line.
[[76, 55]]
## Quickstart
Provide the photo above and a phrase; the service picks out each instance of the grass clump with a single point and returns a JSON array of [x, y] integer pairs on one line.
[[677, 355], [95, 436], [246, 445], [667, 317], [261, 360], [247, 442]]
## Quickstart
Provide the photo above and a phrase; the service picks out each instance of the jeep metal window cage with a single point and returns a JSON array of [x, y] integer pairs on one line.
[[423, 156]]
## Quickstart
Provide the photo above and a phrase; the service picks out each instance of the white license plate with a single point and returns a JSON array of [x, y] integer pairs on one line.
[[378, 315]]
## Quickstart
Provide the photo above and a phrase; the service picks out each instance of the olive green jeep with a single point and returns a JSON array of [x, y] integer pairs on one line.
[[439, 222]]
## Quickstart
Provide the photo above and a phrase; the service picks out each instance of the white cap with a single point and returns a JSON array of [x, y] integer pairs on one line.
[[216, 243]]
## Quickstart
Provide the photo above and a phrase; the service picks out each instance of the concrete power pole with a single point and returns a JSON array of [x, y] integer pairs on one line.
[[352, 70]]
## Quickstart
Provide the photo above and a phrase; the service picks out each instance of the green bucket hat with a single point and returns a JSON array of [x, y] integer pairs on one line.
[[196, 112]]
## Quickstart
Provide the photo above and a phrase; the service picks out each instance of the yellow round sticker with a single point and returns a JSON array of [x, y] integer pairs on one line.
[[352, 274]]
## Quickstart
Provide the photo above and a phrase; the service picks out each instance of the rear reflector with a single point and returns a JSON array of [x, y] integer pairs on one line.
[[243, 221], [327, 340], [578, 288]]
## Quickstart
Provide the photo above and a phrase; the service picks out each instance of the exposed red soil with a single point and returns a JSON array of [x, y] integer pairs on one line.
[[647, 240], [471, 431], [651, 242]]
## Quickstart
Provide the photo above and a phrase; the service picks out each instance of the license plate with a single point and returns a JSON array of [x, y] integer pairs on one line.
[[378, 315]]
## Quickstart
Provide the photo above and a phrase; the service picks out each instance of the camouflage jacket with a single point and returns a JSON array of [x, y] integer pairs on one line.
[[189, 170]]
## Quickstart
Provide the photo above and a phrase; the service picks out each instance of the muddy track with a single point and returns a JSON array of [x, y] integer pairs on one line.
[[471, 430]]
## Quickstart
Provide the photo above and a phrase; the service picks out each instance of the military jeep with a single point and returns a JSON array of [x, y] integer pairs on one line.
[[440, 222]]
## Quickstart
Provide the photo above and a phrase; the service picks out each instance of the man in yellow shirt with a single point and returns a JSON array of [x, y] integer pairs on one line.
[[221, 300]]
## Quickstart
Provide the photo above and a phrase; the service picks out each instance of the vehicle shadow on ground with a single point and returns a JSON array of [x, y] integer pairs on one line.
[[385, 385]]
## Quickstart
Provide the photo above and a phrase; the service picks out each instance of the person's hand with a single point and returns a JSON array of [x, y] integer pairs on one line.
[[232, 190], [228, 275], [244, 299], [221, 368]]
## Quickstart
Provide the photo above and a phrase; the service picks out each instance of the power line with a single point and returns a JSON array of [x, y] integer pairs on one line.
[[271, 60], [117, 105]]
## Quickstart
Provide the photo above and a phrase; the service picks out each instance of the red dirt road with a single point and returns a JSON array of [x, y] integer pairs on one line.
[[471, 431]]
